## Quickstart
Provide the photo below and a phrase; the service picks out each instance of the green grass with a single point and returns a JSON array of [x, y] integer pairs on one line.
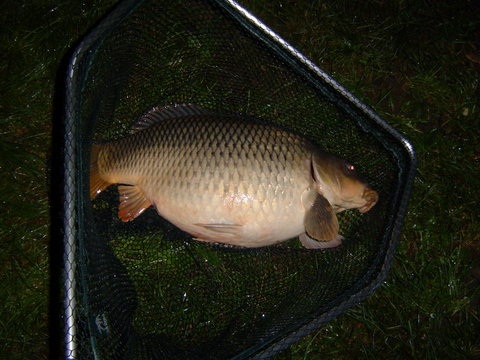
[[415, 63], [33, 39]]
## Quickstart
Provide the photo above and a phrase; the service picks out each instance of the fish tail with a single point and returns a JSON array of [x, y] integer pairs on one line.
[[97, 183]]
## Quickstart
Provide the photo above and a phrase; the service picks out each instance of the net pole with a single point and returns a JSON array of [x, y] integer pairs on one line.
[[70, 303]]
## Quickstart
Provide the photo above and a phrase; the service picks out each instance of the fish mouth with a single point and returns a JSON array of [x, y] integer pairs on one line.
[[371, 197]]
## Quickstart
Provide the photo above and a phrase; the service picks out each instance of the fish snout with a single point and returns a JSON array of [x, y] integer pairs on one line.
[[371, 197]]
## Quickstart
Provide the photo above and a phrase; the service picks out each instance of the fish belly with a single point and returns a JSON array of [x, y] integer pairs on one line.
[[236, 218]]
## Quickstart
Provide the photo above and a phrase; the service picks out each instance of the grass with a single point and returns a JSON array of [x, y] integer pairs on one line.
[[416, 63], [33, 39]]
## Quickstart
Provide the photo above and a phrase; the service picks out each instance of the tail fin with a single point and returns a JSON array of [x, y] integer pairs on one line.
[[97, 184]]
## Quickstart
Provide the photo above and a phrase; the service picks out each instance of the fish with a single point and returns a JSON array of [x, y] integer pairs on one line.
[[229, 178]]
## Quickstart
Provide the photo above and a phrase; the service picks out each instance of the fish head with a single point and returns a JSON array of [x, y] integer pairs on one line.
[[338, 181]]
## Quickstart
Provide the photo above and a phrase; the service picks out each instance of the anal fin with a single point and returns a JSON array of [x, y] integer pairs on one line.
[[132, 202], [321, 225]]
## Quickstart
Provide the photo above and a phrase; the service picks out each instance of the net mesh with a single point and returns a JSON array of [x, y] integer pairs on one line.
[[146, 290]]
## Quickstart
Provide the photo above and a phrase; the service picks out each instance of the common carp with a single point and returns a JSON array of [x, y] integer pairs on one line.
[[229, 179]]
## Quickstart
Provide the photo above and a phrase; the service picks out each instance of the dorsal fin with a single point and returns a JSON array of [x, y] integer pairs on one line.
[[162, 113]]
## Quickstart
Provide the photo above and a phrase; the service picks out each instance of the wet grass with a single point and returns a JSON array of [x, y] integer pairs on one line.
[[417, 63], [34, 37]]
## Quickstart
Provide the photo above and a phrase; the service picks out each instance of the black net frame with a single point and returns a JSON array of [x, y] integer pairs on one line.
[[215, 54]]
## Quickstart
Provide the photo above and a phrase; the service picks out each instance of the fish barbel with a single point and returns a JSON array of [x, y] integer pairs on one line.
[[225, 179]]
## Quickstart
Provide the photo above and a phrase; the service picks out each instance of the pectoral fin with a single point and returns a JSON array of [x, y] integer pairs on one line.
[[321, 225], [310, 243], [132, 202]]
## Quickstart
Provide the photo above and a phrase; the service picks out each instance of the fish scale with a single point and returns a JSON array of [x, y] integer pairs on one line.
[[224, 178]]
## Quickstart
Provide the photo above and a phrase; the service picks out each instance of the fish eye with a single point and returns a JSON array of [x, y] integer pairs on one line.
[[349, 167]]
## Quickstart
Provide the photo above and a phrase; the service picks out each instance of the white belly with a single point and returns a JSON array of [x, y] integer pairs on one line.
[[250, 218]]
